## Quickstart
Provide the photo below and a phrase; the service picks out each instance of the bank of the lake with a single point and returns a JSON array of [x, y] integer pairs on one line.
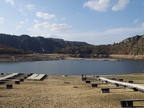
[[132, 57], [47, 57], [57, 91]]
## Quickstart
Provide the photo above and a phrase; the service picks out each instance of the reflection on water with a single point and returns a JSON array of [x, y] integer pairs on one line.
[[74, 67]]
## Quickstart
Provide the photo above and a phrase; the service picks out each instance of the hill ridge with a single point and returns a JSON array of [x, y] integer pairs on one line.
[[37, 44]]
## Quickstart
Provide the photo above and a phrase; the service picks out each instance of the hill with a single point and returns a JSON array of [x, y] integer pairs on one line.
[[130, 46], [37, 44], [133, 46], [9, 50], [25, 44]]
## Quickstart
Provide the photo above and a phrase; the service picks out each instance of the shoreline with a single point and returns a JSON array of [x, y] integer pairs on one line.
[[47, 57]]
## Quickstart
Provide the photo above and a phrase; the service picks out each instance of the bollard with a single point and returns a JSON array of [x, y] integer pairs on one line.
[[17, 82], [94, 85], [130, 81], [84, 78], [120, 79], [124, 86], [2, 82], [106, 82], [117, 85], [9, 86], [21, 80], [135, 89], [126, 104], [105, 90], [114, 79], [25, 77], [87, 81]]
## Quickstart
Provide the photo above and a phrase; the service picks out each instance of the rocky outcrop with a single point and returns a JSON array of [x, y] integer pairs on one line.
[[131, 46], [37, 44]]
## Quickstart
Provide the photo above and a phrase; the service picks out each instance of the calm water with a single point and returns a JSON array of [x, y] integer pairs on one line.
[[74, 67]]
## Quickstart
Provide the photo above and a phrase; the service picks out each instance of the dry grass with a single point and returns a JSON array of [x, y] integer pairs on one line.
[[67, 92]]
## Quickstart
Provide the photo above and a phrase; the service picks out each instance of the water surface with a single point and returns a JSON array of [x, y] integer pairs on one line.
[[74, 67]]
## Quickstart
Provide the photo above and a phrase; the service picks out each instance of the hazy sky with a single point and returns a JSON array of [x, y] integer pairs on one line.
[[92, 21]]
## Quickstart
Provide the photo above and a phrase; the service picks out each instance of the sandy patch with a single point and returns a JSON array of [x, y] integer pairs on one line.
[[59, 92]]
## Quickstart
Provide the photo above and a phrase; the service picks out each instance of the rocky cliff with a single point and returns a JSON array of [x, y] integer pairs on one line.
[[24, 43], [130, 46], [37, 44]]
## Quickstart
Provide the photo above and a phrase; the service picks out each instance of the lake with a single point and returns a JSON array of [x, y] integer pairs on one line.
[[74, 67]]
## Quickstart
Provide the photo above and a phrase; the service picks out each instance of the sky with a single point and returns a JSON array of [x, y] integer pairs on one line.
[[96, 22]]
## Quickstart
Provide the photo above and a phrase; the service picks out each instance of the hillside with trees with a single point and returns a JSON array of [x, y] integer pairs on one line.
[[130, 46], [9, 50], [25, 44], [37, 44]]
